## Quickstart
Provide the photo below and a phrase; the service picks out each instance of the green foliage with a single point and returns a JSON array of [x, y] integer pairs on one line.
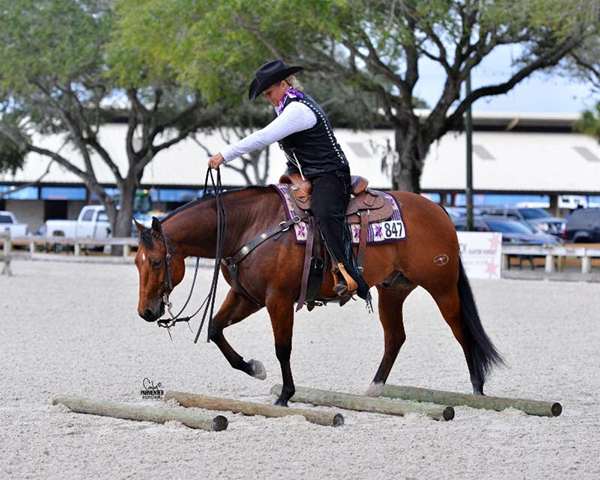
[[183, 40], [50, 39], [69, 66], [11, 156], [589, 123], [215, 46], [63, 61]]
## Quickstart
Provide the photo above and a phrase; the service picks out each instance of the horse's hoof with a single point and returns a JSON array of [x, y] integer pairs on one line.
[[258, 370], [374, 390], [281, 403], [478, 391]]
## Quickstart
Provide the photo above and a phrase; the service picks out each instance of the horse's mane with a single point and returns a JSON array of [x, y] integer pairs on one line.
[[205, 198], [147, 240]]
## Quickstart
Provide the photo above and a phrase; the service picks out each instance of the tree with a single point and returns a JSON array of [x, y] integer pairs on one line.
[[584, 62], [203, 52], [68, 67], [589, 123], [11, 157], [378, 46]]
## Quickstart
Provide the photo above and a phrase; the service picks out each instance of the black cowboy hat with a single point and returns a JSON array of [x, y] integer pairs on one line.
[[268, 74]]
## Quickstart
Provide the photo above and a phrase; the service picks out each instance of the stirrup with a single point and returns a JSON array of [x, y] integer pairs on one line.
[[351, 284], [340, 289]]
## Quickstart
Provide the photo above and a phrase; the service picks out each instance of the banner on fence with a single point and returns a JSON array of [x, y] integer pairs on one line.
[[481, 253]]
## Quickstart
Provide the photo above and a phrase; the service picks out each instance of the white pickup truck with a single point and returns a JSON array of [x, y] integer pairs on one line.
[[8, 223], [92, 222]]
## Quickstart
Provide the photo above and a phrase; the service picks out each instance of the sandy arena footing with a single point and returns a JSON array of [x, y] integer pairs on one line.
[[73, 329]]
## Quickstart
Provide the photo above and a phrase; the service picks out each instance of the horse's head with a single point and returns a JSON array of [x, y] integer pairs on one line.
[[160, 264]]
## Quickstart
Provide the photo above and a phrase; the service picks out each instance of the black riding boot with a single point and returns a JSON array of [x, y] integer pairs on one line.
[[330, 197]]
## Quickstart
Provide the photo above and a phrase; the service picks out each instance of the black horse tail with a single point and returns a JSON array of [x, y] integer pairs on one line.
[[483, 353]]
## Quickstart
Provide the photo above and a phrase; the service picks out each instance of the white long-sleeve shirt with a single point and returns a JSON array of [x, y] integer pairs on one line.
[[294, 118]]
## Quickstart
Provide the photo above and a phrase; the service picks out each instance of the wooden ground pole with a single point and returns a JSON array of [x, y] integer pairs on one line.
[[192, 419], [251, 408], [531, 407], [367, 404]]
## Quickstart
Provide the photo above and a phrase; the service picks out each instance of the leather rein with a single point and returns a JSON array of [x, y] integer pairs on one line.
[[167, 286], [232, 263]]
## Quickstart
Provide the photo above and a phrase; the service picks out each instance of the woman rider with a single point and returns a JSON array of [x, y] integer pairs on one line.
[[305, 135]]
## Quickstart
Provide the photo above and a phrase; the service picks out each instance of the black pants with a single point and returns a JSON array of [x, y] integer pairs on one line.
[[330, 197]]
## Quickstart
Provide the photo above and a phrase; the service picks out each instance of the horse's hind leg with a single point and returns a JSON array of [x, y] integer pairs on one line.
[[449, 305], [391, 301], [457, 304], [234, 309]]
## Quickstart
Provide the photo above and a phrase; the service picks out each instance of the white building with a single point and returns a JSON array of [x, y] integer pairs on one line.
[[512, 155]]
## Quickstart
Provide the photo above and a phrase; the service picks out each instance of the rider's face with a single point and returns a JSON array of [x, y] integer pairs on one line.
[[276, 92]]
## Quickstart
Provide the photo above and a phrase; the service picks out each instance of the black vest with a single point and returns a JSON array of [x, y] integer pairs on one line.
[[316, 149]]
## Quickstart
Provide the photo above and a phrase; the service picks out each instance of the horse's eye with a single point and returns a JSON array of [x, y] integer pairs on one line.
[[156, 263]]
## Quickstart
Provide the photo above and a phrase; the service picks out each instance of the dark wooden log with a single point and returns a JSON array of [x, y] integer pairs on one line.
[[367, 404], [531, 407], [251, 408], [192, 419]]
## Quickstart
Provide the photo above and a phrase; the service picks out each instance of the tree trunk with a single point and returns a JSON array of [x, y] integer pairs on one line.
[[125, 213], [406, 172]]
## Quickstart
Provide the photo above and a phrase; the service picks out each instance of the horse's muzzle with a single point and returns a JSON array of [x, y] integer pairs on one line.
[[152, 315]]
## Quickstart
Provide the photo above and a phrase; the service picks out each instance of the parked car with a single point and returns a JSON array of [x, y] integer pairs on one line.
[[513, 231], [92, 222], [8, 223], [583, 226], [460, 212], [538, 217]]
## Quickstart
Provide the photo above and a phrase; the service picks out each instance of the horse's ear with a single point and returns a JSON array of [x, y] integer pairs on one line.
[[156, 227], [139, 226]]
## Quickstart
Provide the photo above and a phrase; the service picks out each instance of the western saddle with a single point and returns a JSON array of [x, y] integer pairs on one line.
[[363, 203], [365, 206]]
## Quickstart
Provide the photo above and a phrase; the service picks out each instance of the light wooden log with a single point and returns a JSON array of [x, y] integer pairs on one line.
[[192, 419], [549, 266], [250, 408], [6, 268], [6, 253], [531, 407], [586, 264], [367, 404]]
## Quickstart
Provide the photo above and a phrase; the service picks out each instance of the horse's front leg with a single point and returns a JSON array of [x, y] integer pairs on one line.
[[281, 311], [235, 308]]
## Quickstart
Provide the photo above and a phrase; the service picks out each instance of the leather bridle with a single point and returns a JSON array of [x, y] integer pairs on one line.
[[167, 288]]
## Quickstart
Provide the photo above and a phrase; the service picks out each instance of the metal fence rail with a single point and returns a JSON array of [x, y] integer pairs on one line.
[[554, 255], [35, 241]]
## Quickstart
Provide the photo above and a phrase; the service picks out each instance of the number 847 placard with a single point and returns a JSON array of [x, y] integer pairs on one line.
[[393, 229]]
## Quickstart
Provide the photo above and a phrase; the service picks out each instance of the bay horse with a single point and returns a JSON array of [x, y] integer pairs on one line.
[[271, 274]]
